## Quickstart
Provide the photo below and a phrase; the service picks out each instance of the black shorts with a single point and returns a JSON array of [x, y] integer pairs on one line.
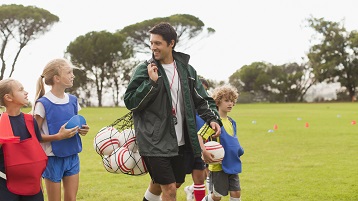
[[193, 163], [6, 195], [166, 170]]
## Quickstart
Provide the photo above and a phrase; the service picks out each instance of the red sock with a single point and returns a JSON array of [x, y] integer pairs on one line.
[[199, 191]]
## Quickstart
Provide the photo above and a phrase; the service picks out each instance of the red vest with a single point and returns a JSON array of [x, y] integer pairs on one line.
[[24, 163]]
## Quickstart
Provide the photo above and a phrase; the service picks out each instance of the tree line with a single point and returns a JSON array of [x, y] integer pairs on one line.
[[105, 60]]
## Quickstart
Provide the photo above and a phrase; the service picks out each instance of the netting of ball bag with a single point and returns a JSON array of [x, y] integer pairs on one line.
[[117, 146]]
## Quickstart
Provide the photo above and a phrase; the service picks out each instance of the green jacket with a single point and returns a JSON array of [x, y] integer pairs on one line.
[[151, 105]]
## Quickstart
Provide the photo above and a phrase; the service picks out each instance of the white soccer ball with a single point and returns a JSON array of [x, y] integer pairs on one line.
[[216, 149], [107, 164], [106, 141], [139, 167], [127, 139], [122, 160]]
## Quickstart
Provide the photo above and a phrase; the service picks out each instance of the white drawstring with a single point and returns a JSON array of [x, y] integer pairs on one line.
[[2, 175]]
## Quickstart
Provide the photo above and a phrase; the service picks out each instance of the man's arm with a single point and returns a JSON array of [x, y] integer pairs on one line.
[[141, 89]]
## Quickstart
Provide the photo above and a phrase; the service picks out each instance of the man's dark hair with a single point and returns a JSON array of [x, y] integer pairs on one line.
[[166, 31]]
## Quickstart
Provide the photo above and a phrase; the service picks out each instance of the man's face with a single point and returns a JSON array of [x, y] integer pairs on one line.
[[160, 48]]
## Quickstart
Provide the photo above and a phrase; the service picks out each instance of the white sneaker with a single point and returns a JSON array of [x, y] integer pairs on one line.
[[189, 193]]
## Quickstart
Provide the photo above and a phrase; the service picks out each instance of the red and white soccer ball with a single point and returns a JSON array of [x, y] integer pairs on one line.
[[122, 160], [106, 141], [107, 164], [216, 149], [139, 167], [119, 151], [127, 139]]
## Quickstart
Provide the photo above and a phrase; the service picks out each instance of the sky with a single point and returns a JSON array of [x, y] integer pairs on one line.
[[272, 31]]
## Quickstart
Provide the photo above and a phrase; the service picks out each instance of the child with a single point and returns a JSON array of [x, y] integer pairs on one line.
[[22, 162], [224, 177], [196, 166], [52, 111]]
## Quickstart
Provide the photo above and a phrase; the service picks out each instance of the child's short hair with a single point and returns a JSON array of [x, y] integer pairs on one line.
[[5, 88], [225, 91]]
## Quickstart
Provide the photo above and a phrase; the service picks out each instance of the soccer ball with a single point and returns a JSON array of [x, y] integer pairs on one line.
[[139, 167], [216, 149], [107, 164], [127, 139], [106, 140], [122, 160]]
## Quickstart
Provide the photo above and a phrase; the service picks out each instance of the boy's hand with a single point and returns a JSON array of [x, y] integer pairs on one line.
[[207, 157]]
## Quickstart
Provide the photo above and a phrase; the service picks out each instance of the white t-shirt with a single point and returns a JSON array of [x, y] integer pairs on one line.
[[177, 99], [40, 110]]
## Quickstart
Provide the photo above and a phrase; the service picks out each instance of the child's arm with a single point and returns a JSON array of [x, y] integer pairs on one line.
[[63, 133], [206, 132], [207, 157]]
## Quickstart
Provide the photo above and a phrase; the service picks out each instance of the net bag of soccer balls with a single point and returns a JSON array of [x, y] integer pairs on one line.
[[117, 146]]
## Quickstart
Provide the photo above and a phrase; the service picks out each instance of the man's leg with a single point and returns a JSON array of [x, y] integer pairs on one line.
[[169, 192], [153, 192]]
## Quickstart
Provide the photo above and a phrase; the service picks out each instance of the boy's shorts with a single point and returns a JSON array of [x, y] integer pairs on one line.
[[59, 167], [193, 163], [166, 170], [224, 183], [6, 195]]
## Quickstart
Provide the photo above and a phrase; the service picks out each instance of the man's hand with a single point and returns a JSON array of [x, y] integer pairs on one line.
[[153, 71], [216, 127]]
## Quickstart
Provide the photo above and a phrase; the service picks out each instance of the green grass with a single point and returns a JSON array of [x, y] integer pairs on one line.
[[294, 162]]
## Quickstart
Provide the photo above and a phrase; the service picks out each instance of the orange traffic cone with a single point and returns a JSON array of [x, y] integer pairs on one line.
[[307, 125], [275, 127], [6, 133]]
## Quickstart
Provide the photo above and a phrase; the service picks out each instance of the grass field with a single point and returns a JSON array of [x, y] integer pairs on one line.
[[312, 155]]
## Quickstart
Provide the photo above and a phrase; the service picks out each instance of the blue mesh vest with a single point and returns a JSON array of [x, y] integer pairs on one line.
[[231, 163], [56, 116]]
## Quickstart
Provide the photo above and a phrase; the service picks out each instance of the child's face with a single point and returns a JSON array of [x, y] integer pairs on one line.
[[19, 95], [66, 76], [226, 105]]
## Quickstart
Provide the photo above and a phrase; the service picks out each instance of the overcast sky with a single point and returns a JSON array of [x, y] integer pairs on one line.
[[246, 31]]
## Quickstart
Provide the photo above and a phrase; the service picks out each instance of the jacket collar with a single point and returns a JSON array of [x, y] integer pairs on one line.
[[182, 57]]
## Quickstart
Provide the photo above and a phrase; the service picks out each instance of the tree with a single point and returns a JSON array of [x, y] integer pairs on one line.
[[275, 83], [290, 82], [97, 54], [334, 57], [121, 76], [22, 24], [254, 79], [188, 28]]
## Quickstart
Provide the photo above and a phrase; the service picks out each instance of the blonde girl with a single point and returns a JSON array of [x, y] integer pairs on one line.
[[22, 160], [52, 110]]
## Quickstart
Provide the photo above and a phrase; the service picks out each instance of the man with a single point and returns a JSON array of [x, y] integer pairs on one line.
[[163, 95]]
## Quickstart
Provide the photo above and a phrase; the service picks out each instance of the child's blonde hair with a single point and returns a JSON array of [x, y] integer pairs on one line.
[[5, 88], [51, 69], [226, 91]]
